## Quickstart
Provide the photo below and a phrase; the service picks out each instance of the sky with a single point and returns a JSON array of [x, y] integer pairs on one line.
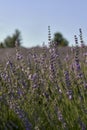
[[32, 18]]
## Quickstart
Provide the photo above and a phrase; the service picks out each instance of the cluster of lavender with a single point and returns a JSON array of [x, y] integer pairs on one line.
[[42, 91]]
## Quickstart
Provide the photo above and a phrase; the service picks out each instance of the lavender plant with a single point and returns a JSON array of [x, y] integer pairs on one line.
[[44, 90]]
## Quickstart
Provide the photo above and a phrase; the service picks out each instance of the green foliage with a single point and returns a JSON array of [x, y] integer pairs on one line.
[[10, 40], [1, 45], [59, 40]]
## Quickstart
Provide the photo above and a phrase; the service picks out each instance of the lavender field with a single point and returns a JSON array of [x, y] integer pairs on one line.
[[43, 88]]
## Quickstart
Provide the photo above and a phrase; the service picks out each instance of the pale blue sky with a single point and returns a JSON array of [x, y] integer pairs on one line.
[[32, 18]]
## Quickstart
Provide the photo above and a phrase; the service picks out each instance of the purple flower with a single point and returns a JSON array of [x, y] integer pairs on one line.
[[77, 66], [67, 79], [70, 94]]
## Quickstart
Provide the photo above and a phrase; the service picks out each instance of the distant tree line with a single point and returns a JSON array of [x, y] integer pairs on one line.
[[9, 41], [59, 40]]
